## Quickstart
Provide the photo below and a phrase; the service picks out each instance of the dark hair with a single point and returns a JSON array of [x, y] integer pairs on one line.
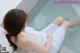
[[14, 22]]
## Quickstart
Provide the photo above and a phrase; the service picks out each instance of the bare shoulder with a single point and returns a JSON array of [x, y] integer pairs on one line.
[[26, 40], [26, 37]]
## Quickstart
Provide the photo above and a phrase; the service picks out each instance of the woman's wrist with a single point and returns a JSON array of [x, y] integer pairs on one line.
[[49, 41]]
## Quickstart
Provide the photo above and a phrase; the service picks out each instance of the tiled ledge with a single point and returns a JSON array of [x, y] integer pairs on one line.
[[6, 5]]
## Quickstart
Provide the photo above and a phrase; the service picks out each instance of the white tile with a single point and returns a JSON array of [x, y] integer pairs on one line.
[[6, 5]]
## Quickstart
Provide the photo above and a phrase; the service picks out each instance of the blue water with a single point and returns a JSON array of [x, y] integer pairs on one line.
[[51, 11]]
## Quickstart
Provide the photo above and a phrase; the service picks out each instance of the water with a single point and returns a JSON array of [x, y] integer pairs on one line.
[[50, 11]]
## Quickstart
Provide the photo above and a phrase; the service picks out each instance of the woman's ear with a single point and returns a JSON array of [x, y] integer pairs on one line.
[[13, 39]]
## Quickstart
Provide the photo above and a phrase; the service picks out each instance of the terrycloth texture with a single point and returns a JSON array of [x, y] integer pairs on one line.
[[58, 34], [58, 37]]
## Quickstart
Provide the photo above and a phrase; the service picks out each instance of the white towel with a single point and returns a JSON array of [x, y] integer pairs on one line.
[[58, 34]]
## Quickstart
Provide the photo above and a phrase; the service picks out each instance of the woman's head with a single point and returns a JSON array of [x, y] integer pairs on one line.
[[14, 21]]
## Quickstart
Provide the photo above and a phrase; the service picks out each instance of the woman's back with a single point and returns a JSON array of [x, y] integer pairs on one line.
[[28, 36]]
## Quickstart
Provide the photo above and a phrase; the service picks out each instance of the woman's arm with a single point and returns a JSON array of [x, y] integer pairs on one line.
[[48, 43], [38, 47]]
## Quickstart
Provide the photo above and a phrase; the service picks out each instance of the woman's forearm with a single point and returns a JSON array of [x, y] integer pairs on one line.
[[48, 45]]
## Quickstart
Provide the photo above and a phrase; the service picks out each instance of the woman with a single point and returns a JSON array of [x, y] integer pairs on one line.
[[31, 41]]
